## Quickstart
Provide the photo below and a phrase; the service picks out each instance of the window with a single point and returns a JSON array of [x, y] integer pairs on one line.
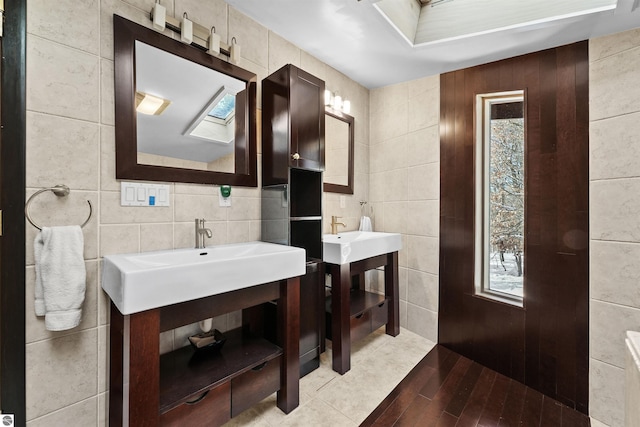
[[224, 107], [499, 196]]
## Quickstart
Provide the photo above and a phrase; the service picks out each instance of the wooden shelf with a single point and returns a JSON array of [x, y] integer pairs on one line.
[[308, 236], [367, 312], [185, 373], [360, 301], [305, 196]]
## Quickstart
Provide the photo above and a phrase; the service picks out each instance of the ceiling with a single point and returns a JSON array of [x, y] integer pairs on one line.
[[370, 47]]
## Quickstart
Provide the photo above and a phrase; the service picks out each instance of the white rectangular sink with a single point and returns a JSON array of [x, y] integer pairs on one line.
[[344, 248], [142, 281]]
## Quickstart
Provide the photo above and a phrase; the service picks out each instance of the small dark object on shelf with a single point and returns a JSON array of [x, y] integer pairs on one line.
[[209, 341]]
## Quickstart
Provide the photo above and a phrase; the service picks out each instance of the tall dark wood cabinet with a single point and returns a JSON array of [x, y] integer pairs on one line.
[[292, 165], [292, 124]]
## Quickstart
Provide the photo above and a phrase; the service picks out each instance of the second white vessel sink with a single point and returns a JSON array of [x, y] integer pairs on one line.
[[344, 248], [142, 281]]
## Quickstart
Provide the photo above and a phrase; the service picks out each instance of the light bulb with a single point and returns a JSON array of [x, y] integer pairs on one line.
[[337, 102], [346, 106], [327, 97]]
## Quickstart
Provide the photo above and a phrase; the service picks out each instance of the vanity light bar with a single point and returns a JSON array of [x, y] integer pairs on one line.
[[200, 34]]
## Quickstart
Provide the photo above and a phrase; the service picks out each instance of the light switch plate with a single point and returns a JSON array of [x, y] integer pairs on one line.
[[142, 194], [342, 202]]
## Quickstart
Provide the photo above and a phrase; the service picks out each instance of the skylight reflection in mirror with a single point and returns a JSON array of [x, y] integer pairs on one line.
[[224, 108]]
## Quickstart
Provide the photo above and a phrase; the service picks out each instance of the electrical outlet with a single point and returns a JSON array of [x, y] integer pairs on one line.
[[343, 200], [224, 201]]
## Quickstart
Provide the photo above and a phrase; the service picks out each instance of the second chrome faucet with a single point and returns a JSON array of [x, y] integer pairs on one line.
[[201, 231]]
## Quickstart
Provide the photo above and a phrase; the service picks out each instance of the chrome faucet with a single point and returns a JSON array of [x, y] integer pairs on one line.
[[335, 224], [200, 233]]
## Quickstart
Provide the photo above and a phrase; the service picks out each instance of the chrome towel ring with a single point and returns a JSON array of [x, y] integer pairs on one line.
[[58, 190]]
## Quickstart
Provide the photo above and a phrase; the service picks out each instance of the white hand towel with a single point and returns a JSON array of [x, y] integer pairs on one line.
[[365, 224], [60, 276]]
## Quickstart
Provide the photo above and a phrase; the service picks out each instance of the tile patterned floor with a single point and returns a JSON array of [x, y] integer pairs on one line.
[[378, 363]]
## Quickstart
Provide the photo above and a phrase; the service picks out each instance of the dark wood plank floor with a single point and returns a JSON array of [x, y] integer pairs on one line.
[[447, 389]]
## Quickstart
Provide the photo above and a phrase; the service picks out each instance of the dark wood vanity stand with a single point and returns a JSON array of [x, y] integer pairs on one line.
[[187, 388], [354, 313]]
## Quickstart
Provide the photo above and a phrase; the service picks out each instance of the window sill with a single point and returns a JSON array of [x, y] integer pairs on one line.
[[501, 298]]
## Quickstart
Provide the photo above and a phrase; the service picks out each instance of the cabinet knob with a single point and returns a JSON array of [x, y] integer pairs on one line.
[[295, 156]]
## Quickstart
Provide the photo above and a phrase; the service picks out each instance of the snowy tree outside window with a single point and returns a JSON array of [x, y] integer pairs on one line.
[[500, 196]]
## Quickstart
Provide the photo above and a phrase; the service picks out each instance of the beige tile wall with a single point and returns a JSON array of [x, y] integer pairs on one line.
[[615, 216], [405, 191], [70, 140]]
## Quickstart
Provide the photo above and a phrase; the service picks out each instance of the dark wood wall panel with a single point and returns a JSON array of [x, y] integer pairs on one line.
[[545, 344], [12, 199]]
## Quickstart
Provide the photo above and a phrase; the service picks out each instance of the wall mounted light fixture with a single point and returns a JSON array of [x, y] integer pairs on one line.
[[186, 29], [335, 101], [214, 43], [193, 33], [150, 104], [234, 51], [159, 16]]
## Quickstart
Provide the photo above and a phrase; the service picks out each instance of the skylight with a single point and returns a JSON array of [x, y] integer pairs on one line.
[[216, 120], [224, 107], [422, 22]]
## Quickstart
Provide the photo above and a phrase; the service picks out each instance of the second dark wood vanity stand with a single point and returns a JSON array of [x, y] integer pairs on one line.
[[354, 313], [184, 387]]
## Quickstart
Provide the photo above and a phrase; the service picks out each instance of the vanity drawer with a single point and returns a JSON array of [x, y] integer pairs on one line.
[[211, 408], [360, 325], [254, 385], [379, 315]]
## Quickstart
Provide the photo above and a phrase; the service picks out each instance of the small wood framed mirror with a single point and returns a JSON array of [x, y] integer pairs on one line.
[[339, 135]]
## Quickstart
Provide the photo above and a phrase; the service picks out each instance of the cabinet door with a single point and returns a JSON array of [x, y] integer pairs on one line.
[[307, 121]]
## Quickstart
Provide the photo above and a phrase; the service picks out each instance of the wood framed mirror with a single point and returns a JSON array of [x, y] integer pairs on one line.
[[339, 135], [205, 131]]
